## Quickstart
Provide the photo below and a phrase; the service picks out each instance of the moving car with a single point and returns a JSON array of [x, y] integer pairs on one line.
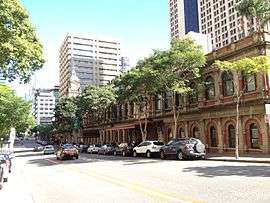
[[183, 148], [49, 149], [148, 147], [67, 151], [106, 149], [93, 149], [124, 149]]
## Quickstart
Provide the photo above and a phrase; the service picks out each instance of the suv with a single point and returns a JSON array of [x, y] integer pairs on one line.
[[183, 148], [67, 151], [106, 149], [148, 148], [124, 149]]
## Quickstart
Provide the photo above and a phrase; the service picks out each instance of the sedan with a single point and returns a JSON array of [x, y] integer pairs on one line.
[[49, 149], [67, 151], [183, 148], [93, 149], [124, 149], [106, 149]]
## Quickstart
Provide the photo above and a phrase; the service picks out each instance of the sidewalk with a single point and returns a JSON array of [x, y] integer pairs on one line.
[[249, 158]]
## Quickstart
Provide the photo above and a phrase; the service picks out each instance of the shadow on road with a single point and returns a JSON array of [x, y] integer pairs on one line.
[[247, 171], [29, 155]]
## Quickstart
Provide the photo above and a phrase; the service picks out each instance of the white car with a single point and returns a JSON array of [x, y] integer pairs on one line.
[[93, 149], [49, 149], [148, 148]]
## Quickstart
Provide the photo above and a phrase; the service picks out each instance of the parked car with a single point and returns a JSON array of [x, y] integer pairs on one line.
[[38, 148], [93, 149], [183, 148], [106, 149], [5, 168], [48, 149], [44, 143], [83, 148], [148, 147], [67, 151], [124, 149]]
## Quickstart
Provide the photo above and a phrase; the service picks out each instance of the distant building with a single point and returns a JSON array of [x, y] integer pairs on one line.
[[124, 64], [184, 17], [44, 102], [96, 61], [201, 39]]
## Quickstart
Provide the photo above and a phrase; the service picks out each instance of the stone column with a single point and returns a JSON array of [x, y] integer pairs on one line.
[[264, 135], [241, 135], [220, 136], [186, 129]]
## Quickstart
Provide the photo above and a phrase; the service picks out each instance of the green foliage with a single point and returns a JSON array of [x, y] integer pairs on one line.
[[14, 112], [20, 50], [257, 9], [247, 66], [95, 100]]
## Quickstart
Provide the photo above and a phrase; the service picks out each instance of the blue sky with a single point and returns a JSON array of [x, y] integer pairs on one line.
[[140, 25]]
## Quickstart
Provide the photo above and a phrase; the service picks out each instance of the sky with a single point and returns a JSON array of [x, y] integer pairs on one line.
[[140, 25]]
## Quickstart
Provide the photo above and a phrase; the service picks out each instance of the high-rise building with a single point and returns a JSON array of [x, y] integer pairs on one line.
[[124, 64], [184, 17], [96, 61], [218, 19], [44, 102]]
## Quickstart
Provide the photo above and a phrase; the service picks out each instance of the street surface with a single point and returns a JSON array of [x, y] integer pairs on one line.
[[95, 178]]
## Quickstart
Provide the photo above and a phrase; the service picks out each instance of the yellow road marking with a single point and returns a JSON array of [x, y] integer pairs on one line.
[[165, 196]]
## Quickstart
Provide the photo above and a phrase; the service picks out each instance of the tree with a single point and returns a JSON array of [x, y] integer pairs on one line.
[[94, 102], [246, 67], [20, 50], [139, 86], [44, 131], [259, 10], [14, 112], [177, 68]]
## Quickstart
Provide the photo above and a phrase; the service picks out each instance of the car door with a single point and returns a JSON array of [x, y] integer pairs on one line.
[[140, 147], [145, 147]]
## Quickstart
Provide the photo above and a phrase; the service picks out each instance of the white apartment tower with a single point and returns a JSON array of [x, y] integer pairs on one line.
[[44, 102], [95, 61]]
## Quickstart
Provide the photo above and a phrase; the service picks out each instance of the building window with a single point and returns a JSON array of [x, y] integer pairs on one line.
[[213, 136], [179, 102], [249, 83], [158, 100], [231, 136], [193, 95], [209, 88], [182, 132], [168, 100], [227, 82], [254, 136]]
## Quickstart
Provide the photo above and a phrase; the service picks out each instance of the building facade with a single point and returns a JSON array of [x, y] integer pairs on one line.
[[209, 115], [44, 102], [96, 61], [184, 17]]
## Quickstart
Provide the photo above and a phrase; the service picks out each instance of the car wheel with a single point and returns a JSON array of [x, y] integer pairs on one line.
[[134, 153], [114, 153], [5, 180], [162, 155], [148, 154], [57, 158], [180, 155], [124, 153], [202, 157], [77, 157]]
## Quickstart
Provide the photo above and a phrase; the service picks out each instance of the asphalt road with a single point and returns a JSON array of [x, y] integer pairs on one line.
[[94, 178]]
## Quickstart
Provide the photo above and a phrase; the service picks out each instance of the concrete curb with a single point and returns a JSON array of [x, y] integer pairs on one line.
[[239, 160]]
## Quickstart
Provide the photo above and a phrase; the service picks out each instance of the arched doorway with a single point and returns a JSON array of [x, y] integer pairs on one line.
[[196, 132], [254, 136], [181, 132]]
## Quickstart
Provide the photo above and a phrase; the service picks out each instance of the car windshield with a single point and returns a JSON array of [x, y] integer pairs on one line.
[[97, 145], [158, 143], [68, 146]]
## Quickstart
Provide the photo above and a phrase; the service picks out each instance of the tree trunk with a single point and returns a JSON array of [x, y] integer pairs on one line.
[[237, 128]]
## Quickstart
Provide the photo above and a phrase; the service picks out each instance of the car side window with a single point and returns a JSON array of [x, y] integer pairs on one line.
[[142, 144]]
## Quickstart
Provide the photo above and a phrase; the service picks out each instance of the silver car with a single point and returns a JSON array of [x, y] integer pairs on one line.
[[49, 149]]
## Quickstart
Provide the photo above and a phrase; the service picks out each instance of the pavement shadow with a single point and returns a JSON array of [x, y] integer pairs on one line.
[[29, 155], [247, 171]]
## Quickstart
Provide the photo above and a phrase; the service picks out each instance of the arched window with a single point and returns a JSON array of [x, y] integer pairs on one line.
[[193, 95], [227, 82], [209, 88], [181, 132], [249, 83], [213, 136], [254, 136], [196, 132], [231, 136]]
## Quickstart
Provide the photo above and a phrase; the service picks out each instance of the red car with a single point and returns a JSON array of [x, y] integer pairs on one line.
[[67, 151]]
